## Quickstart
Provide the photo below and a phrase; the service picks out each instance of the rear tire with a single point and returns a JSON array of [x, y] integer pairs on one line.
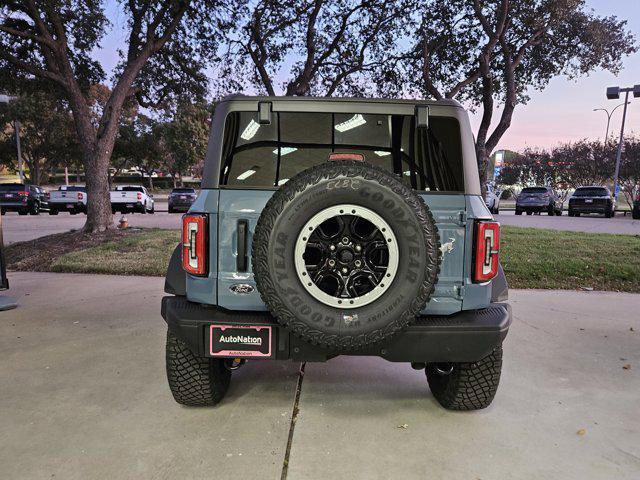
[[518, 212], [23, 212], [468, 386], [194, 381], [529, 212]]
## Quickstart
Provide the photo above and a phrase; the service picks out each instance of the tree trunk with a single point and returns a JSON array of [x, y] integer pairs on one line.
[[482, 156], [99, 216]]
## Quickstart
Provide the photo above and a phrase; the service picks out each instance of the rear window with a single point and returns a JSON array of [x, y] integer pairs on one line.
[[11, 187], [183, 190], [129, 189], [534, 190], [73, 188], [591, 192], [266, 156]]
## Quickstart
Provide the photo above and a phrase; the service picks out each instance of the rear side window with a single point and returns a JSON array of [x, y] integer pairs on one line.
[[11, 187], [591, 192], [266, 156]]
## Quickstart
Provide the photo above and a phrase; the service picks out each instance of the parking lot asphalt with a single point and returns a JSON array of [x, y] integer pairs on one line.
[[22, 228], [83, 394], [585, 223]]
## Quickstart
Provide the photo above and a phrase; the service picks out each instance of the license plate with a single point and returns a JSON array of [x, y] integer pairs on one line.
[[239, 341], [70, 205], [183, 197], [588, 200], [8, 195], [129, 205]]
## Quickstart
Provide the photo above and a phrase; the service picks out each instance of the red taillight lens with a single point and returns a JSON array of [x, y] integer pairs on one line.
[[487, 250], [194, 244], [139, 196], [23, 194], [47, 196], [80, 195]]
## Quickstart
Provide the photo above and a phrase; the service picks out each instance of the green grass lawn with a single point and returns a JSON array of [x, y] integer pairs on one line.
[[532, 258], [535, 258], [147, 253]]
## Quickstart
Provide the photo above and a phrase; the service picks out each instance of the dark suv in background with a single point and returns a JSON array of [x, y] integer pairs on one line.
[[180, 199], [593, 199], [24, 199], [538, 199]]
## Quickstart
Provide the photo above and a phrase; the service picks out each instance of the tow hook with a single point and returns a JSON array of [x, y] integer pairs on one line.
[[232, 364]]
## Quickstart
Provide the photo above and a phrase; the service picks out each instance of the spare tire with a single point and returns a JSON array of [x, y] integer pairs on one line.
[[345, 255]]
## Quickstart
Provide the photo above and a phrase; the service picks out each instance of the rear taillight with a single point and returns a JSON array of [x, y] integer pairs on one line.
[[487, 250], [139, 196], [47, 196], [194, 244], [80, 195], [23, 194]]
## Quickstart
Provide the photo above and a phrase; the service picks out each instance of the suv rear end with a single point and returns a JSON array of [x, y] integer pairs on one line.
[[593, 199], [537, 200], [360, 177], [181, 199]]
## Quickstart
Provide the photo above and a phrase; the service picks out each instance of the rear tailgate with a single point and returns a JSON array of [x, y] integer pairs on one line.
[[238, 209], [62, 196], [119, 197]]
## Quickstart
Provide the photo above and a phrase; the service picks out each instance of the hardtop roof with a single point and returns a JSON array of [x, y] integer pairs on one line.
[[240, 97]]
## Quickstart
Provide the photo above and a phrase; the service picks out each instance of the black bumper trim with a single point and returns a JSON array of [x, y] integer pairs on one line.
[[463, 337]]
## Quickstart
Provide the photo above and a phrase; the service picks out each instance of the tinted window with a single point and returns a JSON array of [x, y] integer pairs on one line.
[[183, 190], [591, 192], [130, 189], [73, 188], [11, 187], [264, 156], [534, 190]]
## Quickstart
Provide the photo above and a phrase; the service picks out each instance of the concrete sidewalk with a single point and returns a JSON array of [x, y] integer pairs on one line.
[[83, 394]]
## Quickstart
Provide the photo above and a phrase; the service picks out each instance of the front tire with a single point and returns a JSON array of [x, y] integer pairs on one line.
[[466, 386], [194, 381]]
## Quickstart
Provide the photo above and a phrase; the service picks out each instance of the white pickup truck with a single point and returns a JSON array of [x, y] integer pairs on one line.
[[68, 198], [131, 198]]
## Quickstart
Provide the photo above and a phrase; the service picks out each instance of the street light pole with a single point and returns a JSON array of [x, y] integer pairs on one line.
[[609, 115], [613, 93], [16, 126]]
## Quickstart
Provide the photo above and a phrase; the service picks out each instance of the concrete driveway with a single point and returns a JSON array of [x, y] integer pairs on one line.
[[83, 395]]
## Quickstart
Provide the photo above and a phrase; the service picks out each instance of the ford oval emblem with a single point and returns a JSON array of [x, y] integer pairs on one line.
[[241, 288]]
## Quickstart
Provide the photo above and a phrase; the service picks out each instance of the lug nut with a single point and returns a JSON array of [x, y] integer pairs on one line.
[[332, 247], [358, 248], [357, 263], [345, 240], [332, 263]]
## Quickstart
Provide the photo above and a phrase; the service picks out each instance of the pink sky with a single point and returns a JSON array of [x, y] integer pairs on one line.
[[563, 112]]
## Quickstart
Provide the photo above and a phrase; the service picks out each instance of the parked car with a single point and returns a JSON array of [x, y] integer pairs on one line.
[[321, 231], [592, 199], [22, 198], [538, 199], [68, 198], [492, 199], [131, 198], [180, 199]]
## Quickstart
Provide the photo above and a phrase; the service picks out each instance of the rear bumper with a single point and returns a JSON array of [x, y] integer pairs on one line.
[[126, 206], [14, 206], [532, 207], [463, 337], [589, 208], [67, 207]]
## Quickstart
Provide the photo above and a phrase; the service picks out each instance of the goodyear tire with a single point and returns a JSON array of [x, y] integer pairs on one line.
[[194, 381], [345, 255], [466, 386]]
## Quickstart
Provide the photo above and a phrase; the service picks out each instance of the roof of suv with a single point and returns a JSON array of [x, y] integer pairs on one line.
[[240, 97]]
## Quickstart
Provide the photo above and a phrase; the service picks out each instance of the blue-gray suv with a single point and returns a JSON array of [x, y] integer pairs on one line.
[[329, 227]]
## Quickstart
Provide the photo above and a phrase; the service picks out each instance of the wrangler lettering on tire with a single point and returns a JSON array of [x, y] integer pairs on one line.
[[345, 255]]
